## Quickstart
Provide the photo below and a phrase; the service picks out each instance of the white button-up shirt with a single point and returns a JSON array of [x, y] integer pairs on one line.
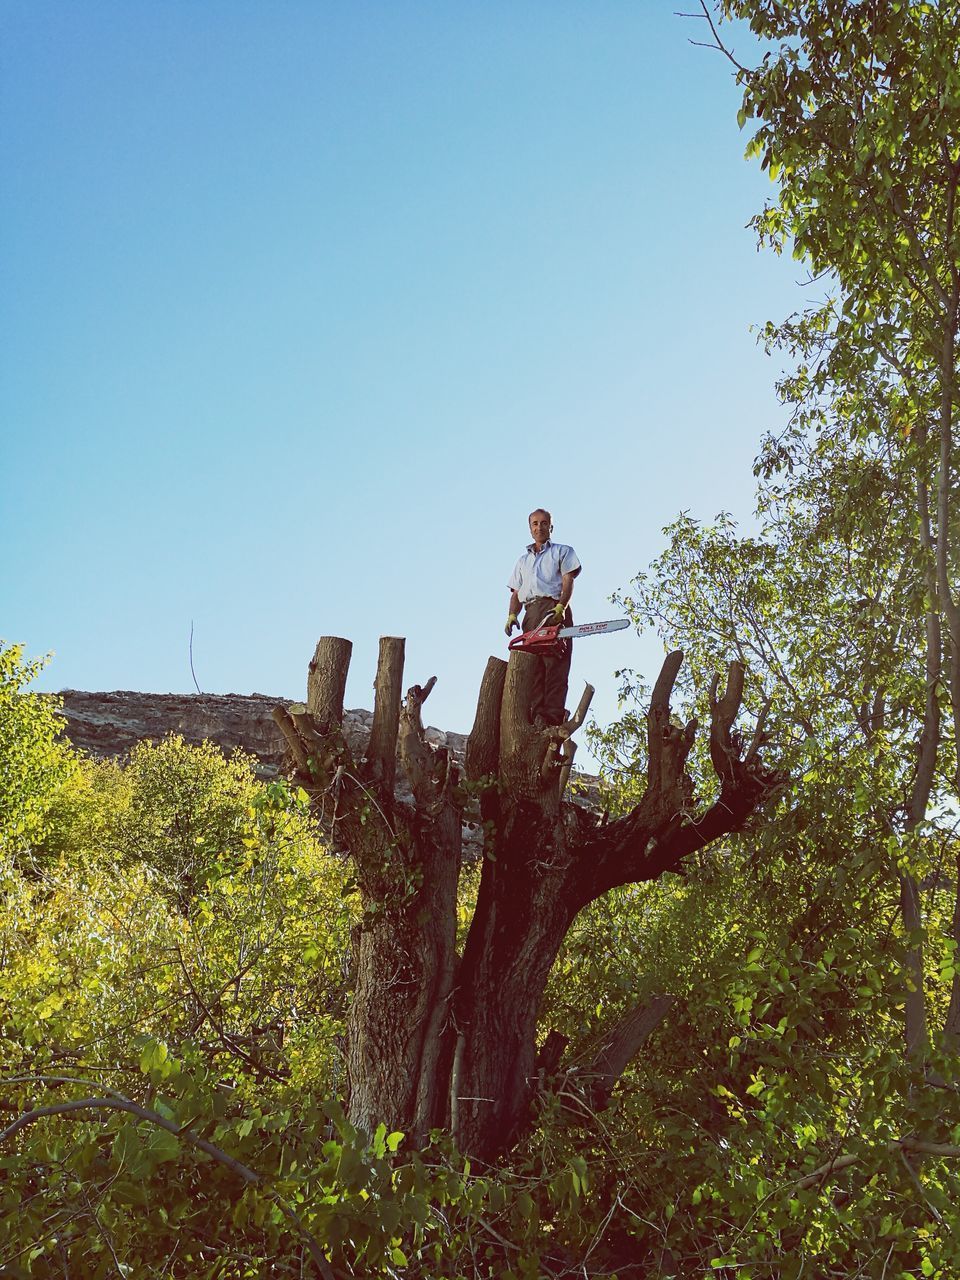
[[540, 573]]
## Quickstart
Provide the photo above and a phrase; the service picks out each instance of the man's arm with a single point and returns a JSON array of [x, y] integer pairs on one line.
[[566, 589], [514, 614]]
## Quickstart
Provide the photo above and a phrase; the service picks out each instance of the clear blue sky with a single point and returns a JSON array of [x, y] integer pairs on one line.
[[305, 305]]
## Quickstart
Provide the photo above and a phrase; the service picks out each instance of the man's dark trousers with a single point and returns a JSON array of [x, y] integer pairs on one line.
[[550, 685]]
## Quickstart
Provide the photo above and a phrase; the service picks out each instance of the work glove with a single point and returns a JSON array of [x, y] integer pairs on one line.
[[511, 623], [556, 615]]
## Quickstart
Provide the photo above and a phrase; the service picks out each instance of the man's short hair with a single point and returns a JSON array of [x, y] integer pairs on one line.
[[540, 511]]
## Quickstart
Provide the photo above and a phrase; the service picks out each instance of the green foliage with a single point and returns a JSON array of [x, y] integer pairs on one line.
[[33, 763], [788, 950], [180, 956], [782, 1050], [184, 939]]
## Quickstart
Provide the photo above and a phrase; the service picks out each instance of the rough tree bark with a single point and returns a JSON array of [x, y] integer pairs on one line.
[[437, 1039]]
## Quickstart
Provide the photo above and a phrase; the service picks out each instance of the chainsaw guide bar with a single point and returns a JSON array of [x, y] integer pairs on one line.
[[550, 639]]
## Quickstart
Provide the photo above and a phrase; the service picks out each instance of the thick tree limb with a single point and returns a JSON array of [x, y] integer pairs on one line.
[[327, 681], [534, 761], [658, 717], [320, 760], [517, 698], [522, 744], [641, 851], [382, 748], [759, 737], [723, 712], [662, 829], [620, 1045], [483, 744], [318, 745]]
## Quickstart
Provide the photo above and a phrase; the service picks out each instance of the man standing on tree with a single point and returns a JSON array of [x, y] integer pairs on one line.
[[542, 581]]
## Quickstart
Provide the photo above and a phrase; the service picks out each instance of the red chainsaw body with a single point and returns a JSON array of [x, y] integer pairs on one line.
[[544, 640]]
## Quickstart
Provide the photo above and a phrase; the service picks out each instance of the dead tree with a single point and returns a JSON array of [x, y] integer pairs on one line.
[[441, 1039]]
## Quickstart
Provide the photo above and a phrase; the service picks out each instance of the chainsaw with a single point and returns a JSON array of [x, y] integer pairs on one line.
[[545, 640]]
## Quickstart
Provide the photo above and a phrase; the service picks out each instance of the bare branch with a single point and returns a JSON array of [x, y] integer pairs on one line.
[[660, 698], [414, 752], [759, 737], [945, 1150], [717, 42], [662, 829], [192, 672], [550, 760], [289, 730], [567, 751], [316, 743], [576, 720]]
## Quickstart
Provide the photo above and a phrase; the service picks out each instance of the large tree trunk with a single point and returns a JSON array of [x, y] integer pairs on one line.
[[434, 1039]]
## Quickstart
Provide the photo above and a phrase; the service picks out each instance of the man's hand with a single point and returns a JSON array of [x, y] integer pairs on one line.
[[511, 624], [556, 614]]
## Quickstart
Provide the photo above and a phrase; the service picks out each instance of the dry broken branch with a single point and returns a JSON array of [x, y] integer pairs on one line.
[[576, 720], [416, 756]]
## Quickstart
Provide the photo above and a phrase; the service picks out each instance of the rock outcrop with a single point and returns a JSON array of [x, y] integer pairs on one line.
[[110, 724]]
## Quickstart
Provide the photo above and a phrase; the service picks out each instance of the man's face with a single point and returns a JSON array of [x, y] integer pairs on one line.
[[540, 527]]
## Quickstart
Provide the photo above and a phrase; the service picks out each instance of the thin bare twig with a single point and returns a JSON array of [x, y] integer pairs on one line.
[[718, 44], [192, 672]]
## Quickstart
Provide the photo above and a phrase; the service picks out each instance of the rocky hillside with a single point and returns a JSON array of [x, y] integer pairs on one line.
[[109, 724]]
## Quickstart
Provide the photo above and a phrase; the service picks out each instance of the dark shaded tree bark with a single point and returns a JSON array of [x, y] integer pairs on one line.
[[437, 1039]]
